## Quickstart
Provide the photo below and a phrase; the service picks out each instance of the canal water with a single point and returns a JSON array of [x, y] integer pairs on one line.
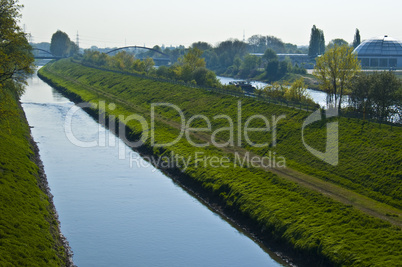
[[114, 213]]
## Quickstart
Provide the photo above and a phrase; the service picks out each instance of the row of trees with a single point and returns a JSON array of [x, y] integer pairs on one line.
[[260, 43], [317, 42], [377, 95], [16, 58], [122, 61], [191, 67]]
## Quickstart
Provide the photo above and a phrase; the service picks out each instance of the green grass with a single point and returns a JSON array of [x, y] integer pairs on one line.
[[370, 154], [305, 220], [29, 234]]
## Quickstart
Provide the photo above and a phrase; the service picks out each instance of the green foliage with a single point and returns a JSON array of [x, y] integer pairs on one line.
[[356, 40], [29, 235], [189, 68], [336, 70], [317, 42], [377, 95], [269, 55], [272, 69], [307, 221], [203, 46], [296, 92], [337, 42], [259, 44], [227, 51], [276, 69], [16, 59], [62, 46], [250, 63]]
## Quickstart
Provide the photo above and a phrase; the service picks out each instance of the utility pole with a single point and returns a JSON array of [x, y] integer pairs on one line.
[[77, 42], [244, 36]]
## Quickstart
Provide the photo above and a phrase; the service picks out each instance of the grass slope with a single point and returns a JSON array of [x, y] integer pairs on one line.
[[307, 221], [29, 234]]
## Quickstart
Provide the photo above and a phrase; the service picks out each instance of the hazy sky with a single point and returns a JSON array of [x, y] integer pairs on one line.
[[175, 22]]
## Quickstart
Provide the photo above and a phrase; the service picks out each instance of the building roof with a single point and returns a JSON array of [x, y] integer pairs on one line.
[[380, 46]]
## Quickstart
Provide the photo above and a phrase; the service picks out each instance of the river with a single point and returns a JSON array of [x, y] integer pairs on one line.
[[317, 96], [114, 214]]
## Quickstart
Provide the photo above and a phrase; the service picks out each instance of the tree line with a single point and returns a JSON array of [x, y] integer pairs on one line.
[[376, 95], [255, 59], [317, 42], [190, 67]]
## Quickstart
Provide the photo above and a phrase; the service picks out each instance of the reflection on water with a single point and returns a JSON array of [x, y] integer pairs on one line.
[[114, 214]]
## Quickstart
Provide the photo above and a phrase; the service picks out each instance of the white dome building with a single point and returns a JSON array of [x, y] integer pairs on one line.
[[380, 53]]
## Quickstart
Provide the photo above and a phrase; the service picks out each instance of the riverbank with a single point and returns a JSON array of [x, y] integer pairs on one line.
[[317, 228], [29, 228]]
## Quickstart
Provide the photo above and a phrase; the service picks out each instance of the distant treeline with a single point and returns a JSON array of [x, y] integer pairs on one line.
[[191, 68]]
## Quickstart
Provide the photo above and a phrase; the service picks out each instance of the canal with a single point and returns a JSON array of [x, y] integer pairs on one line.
[[114, 213]]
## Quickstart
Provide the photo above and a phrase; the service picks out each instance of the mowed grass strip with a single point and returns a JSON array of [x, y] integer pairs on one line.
[[305, 220], [29, 234]]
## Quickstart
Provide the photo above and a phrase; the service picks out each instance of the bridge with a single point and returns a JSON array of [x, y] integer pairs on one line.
[[159, 61], [48, 55]]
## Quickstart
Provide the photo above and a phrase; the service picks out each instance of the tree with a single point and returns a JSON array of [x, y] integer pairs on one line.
[[317, 42], [254, 43], [356, 40], [335, 70], [191, 68], [298, 92], [360, 97], [16, 58], [122, 60], [192, 59], [269, 54], [385, 94], [228, 50], [61, 45], [275, 43], [378, 95], [202, 46], [338, 42], [272, 69], [249, 63], [148, 64]]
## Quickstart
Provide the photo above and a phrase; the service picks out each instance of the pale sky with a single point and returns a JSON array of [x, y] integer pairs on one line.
[[175, 22]]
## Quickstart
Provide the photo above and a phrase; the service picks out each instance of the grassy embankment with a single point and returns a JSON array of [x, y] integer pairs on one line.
[[305, 220], [29, 234]]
